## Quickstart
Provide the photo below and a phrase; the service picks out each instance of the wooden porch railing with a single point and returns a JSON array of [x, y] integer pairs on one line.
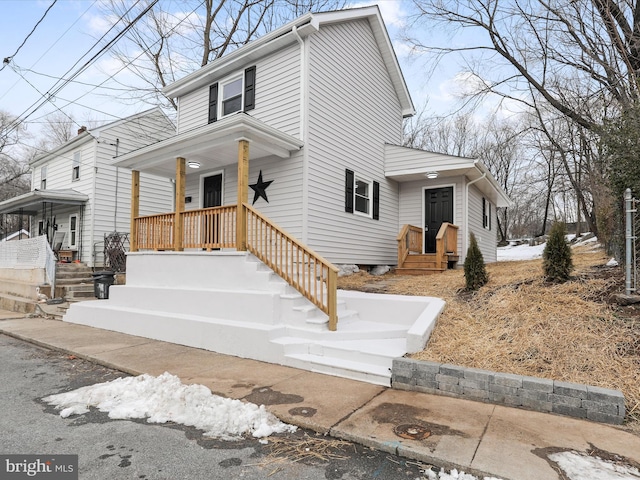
[[446, 242], [155, 232], [313, 276], [208, 228], [409, 241]]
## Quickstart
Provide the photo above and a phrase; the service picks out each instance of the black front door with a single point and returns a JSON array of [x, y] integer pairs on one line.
[[212, 197], [212, 191], [438, 208]]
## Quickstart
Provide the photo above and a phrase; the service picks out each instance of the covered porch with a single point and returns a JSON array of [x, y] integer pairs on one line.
[[240, 227]]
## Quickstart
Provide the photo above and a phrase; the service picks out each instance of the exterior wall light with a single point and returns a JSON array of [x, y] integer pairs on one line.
[[193, 164], [431, 175]]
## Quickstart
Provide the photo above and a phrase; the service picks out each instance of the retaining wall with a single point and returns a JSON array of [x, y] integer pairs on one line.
[[543, 395]]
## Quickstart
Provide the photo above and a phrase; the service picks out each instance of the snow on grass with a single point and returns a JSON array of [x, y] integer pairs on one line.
[[512, 253], [580, 466], [165, 399]]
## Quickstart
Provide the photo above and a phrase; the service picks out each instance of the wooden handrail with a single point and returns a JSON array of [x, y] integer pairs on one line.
[[446, 241], [409, 240], [313, 276]]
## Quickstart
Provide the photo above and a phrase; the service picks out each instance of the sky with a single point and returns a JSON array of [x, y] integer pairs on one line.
[[165, 399], [70, 29]]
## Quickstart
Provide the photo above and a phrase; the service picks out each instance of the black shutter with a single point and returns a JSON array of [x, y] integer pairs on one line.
[[484, 213], [489, 216], [250, 88], [376, 201], [213, 103], [348, 191]]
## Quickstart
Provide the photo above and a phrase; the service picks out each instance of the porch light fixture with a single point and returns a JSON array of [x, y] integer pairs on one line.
[[193, 164], [431, 175]]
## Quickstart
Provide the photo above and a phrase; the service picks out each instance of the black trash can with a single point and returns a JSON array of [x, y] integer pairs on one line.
[[101, 283]]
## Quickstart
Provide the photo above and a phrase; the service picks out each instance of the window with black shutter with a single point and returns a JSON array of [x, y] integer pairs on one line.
[[362, 196], [348, 191], [236, 93], [213, 103], [249, 88]]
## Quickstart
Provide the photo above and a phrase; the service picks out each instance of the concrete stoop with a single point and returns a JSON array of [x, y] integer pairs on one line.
[[232, 303]]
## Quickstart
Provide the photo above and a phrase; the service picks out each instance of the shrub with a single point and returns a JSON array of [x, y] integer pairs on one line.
[[475, 272], [556, 257]]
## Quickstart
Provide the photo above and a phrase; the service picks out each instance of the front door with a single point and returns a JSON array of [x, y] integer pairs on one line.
[[212, 191], [438, 208], [212, 197]]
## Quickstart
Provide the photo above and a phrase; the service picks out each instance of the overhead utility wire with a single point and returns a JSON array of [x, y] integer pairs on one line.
[[50, 47], [7, 60], [55, 89]]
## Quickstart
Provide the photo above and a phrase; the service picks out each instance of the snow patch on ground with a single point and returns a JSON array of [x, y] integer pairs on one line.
[[580, 466], [165, 399]]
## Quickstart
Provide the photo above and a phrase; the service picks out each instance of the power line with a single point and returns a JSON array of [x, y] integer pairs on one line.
[[7, 60], [57, 88]]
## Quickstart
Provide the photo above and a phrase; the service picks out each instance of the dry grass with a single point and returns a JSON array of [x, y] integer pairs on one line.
[[519, 324]]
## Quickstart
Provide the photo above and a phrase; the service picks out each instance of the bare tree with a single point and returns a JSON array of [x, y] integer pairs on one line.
[[175, 39]]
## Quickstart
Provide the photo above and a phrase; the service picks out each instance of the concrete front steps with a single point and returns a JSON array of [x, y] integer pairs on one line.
[[231, 303]]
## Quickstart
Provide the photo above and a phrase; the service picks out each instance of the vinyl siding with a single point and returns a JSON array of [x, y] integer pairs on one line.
[[277, 95], [284, 194], [111, 208], [412, 202], [487, 239], [353, 111], [403, 158]]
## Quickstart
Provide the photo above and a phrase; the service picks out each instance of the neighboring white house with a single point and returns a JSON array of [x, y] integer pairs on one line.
[[77, 195]]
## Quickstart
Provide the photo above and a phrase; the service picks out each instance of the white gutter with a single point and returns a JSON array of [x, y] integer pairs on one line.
[[303, 119], [465, 243]]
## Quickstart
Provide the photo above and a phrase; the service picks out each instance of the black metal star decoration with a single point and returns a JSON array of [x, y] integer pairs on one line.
[[259, 188]]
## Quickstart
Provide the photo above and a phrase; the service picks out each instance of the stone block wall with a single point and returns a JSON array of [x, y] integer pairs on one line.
[[550, 396]]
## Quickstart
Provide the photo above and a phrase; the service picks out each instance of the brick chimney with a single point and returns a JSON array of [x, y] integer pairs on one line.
[[82, 129]]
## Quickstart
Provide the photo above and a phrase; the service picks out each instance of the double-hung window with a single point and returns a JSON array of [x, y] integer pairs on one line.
[[486, 213], [362, 196], [43, 178], [233, 94], [75, 169]]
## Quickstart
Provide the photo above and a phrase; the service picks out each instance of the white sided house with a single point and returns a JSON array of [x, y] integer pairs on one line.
[[286, 162], [77, 195]]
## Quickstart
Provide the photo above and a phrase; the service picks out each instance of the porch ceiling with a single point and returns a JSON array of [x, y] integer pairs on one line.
[[212, 145], [30, 203]]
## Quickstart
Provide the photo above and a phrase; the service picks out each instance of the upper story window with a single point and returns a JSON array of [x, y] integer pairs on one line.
[[43, 178], [362, 196], [75, 170], [233, 94], [486, 213]]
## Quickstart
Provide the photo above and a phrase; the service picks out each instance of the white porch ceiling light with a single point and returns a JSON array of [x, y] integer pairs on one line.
[[192, 164], [431, 175]]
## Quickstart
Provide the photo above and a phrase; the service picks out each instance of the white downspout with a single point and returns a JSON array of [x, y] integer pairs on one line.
[[465, 242], [302, 132]]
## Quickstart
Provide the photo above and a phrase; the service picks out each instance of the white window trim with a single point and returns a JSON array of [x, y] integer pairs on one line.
[[226, 81], [357, 178], [43, 177], [75, 244], [75, 164], [486, 221]]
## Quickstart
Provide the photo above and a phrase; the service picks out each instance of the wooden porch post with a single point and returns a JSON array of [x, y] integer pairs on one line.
[[243, 189], [135, 209], [177, 224]]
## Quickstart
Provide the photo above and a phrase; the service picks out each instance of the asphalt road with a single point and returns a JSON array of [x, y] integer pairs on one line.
[[125, 449]]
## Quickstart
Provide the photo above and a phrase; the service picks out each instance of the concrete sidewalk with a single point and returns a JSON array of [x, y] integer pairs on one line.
[[478, 438]]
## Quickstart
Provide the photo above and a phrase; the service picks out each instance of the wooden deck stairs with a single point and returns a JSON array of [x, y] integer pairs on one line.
[[411, 260]]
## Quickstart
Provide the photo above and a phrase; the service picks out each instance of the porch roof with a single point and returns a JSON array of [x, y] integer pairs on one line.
[[404, 164], [30, 203], [213, 145]]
